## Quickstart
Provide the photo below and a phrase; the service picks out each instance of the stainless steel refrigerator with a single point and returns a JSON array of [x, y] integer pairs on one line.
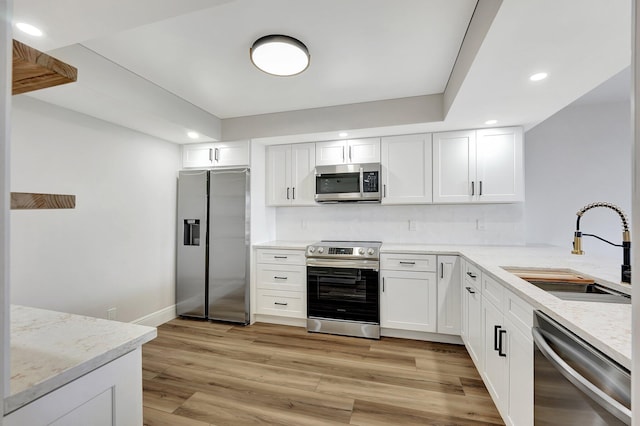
[[212, 280]]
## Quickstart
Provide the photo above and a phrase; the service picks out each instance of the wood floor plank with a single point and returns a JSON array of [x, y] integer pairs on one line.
[[375, 414], [260, 394], [153, 417], [229, 412], [414, 399], [199, 373]]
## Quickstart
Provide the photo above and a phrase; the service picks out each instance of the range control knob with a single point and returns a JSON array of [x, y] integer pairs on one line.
[[370, 252], [361, 250], [312, 249], [320, 250]]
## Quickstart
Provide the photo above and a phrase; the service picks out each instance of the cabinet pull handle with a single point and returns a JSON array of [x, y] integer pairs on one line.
[[217, 154], [280, 303], [293, 191], [407, 263], [280, 278], [470, 290], [496, 345], [473, 188], [480, 193], [343, 154], [472, 275], [349, 154], [288, 193], [279, 257], [384, 190], [383, 284], [500, 353], [441, 269], [210, 154]]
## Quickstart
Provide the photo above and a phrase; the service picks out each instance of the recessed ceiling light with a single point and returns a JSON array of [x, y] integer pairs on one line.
[[538, 76], [193, 135], [29, 29], [491, 122], [280, 55], [343, 134]]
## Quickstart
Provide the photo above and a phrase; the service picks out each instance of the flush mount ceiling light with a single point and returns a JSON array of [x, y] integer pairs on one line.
[[29, 29], [279, 55], [491, 122], [193, 135], [538, 76]]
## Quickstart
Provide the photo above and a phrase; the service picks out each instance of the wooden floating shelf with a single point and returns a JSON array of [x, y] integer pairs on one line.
[[34, 70], [30, 201]]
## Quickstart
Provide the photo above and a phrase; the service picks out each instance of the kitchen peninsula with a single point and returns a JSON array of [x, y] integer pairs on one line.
[[70, 367]]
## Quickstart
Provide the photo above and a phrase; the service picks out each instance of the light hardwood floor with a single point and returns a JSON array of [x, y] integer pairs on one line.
[[201, 373]]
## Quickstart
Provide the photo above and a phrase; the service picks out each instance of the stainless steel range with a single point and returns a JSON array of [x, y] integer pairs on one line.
[[343, 288]]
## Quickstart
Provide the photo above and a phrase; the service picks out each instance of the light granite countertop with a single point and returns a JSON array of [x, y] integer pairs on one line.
[[50, 349], [606, 326]]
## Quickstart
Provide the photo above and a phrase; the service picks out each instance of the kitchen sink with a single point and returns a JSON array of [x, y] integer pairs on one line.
[[567, 285]]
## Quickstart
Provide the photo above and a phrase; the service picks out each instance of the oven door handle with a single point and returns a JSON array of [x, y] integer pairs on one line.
[[345, 263], [579, 381]]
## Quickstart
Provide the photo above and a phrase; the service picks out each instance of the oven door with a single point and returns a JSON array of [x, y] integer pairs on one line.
[[343, 293]]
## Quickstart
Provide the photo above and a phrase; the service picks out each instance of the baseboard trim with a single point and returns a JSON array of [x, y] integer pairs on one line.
[[157, 318], [420, 335]]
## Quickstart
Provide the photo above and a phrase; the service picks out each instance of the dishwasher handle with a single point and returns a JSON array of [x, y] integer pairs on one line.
[[596, 394]]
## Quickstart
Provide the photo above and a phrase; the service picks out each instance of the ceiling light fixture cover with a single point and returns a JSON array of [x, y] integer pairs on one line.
[[29, 29], [280, 55]]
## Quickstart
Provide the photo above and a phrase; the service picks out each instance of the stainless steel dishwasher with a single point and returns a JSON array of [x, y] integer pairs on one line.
[[574, 383]]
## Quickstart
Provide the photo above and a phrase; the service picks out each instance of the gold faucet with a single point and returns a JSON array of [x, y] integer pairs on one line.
[[626, 238]]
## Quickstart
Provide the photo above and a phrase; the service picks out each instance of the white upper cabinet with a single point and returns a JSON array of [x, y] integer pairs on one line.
[[478, 166], [217, 154], [499, 161], [348, 151], [406, 169], [290, 177]]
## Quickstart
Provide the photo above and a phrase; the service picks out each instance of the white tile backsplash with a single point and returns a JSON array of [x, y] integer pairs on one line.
[[434, 224]]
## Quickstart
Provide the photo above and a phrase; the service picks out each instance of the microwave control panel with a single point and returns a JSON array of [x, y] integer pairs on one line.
[[370, 182]]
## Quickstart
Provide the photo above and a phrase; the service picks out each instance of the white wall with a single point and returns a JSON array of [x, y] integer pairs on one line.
[[579, 156], [117, 247], [435, 224]]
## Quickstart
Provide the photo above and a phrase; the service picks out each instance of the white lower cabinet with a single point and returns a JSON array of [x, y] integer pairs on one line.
[[508, 355], [109, 395], [408, 293], [471, 329], [449, 296], [281, 284]]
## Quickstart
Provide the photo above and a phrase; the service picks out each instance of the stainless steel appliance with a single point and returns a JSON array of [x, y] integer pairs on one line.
[[576, 384], [348, 182], [212, 279], [343, 285]]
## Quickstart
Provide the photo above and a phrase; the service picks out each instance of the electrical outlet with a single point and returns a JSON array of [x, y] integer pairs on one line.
[[412, 225], [480, 225], [111, 313]]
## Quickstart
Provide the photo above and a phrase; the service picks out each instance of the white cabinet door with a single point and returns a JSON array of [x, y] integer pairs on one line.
[[449, 296], [363, 150], [348, 151], [520, 356], [499, 159], [495, 372], [278, 175], [475, 331], [303, 181], [331, 153], [454, 167], [197, 155], [406, 169], [229, 154], [408, 300]]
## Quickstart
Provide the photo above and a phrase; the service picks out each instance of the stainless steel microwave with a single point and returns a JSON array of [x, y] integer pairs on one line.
[[348, 182]]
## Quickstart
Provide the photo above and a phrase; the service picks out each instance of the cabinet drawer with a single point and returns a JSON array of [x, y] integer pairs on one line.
[[282, 277], [471, 274], [287, 257], [281, 303], [518, 312], [408, 262], [492, 290]]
